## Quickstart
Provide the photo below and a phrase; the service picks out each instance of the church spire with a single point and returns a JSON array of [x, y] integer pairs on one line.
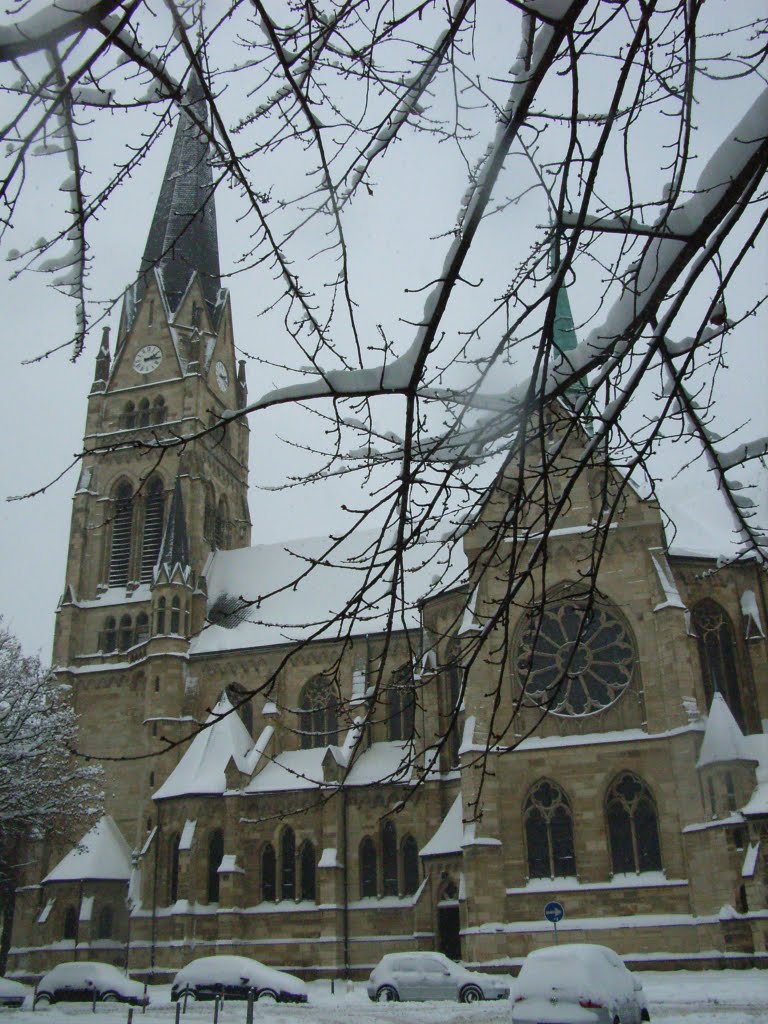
[[183, 237]]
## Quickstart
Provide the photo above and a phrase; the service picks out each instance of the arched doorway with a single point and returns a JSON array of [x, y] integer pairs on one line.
[[448, 921]]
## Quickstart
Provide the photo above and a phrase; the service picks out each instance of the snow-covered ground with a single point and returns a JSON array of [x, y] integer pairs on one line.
[[677, 997]]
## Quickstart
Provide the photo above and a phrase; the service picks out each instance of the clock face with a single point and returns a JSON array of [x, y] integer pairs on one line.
[[147, 359], [222, 377]]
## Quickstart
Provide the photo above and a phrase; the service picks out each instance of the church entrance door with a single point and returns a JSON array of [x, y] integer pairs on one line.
[[448, 930]]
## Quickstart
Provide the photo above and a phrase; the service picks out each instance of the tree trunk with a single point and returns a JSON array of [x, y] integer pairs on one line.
[[8, 898]]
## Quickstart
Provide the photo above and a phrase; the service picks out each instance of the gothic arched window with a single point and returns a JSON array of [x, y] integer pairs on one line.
[[160, 630], [318, 714], [122, 528], [104, 925], [367, 867], [125, 633], [453, 697], [142, 628], [129, 416], [549, 832], [633, 826], [70, 923], [215, 857], [144, 412], [410, 857], [209, 518], [175, 616], [401, 695], [173, 868], [159, 410], [717, 654], [389, 885], [221, 526], [307, 866], [110, 635], [268, 874], [154, 508], [287, 864]]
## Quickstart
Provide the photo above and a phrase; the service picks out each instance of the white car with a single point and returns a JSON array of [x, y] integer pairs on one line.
[[578, 983], [431, 976], [81, 981], [234, 977], [13, 993]]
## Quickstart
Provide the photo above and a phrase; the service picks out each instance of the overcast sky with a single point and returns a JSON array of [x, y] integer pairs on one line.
[[393, 238]]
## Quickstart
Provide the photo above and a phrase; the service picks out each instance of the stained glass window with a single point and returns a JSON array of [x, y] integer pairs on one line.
[[318, 714], [287, 865], [307, 862], [410, 855], [717, 655], [633, 828], [572, 660], [268, 874], [549, 832], [389, 859], [367, 867]]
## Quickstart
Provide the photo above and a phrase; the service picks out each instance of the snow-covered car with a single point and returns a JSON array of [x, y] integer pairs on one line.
[[13, 993], [78, 982], [431, 976], [579, 983], [234, 977]]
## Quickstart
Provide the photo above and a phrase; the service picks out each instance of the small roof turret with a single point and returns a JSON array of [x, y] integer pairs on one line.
[[723, 739], [174, 552]]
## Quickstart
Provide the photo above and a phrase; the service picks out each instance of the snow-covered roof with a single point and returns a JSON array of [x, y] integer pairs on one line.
[[450, 834], [723, 739], [757, 748], [698, 523], [201, 771], [303, 769], [292, 590], [101, 855]]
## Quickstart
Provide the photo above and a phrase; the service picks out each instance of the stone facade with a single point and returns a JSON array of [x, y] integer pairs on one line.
[[319, 847]]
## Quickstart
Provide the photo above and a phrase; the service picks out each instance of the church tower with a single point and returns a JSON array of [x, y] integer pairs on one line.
[[147, 511]]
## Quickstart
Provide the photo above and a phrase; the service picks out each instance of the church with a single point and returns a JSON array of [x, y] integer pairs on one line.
[[300, 773]]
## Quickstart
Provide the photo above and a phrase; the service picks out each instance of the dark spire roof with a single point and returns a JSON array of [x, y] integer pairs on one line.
[[183, 238], [175, 548], [101, 376]]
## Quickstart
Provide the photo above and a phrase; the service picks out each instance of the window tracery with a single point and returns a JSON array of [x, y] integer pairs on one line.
[[318, 714], [549, 832], [572, 660], [288, 864], [717, 655], [401, 710], [633, 827]]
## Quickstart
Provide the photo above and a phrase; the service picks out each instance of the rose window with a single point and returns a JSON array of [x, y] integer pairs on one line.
[[574, 662]]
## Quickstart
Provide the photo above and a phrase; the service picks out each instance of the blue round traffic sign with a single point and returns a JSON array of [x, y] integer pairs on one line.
[[554, 912]]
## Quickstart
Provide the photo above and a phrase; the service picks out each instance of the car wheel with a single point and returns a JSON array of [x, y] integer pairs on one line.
[[189, 994], [267, 995], [42, 1000], [387, 994], [471, 994], [110, 997]]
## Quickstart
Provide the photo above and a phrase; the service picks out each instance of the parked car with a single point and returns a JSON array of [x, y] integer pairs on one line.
[[234, 977], [77, 982], [431, 976], [13, 993], [577, 982]]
